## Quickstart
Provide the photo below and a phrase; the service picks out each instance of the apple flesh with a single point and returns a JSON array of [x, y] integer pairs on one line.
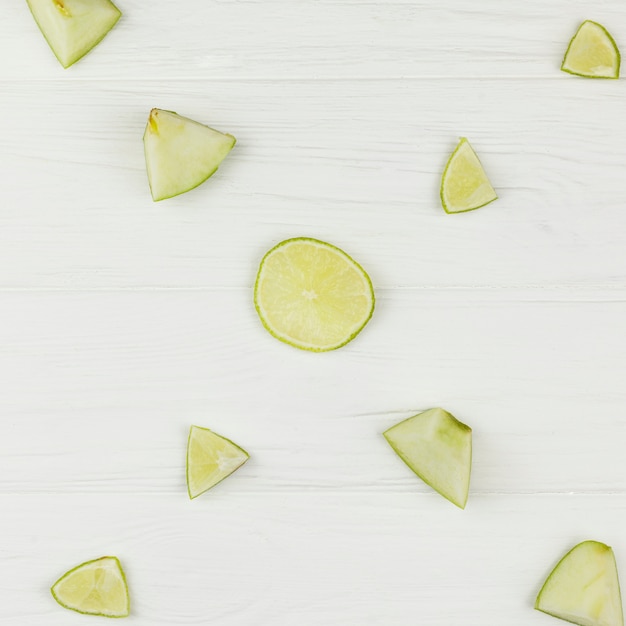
[[180, 153], [438, 448], [74, 27], [583, 588]]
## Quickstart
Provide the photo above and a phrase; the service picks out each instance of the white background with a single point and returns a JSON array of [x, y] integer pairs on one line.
[[124, 321]]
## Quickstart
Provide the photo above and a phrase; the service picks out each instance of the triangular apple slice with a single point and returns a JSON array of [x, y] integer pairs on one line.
[[73, 27], [210, 459], [438, 448], [584, 588], [180, 153]]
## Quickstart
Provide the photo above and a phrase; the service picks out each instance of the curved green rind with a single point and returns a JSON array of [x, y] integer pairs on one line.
[[291, 343], [69, 608], [615, 47], [555, 569], [84, 54], [201, 182], [180, 193], [463, 140], [192, 497], [418, 474]]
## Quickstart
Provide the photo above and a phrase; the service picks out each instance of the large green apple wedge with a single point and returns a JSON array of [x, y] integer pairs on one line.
[[438, 448], [73, 27], [180, 153], [584, 588]]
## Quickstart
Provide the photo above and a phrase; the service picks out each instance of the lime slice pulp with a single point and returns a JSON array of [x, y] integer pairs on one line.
[[592, 53], [96, 587], [210, 459], [312, 295], [464, 184]]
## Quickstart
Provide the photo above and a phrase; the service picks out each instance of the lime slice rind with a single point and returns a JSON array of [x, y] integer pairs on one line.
[[573, 58], [113, 564], [195, 486], [483, 193], [309, 346]]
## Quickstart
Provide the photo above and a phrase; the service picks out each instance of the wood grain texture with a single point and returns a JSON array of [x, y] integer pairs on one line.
[[122, 321], [312, 39], [355, 163], [101, 388], [229, 558]]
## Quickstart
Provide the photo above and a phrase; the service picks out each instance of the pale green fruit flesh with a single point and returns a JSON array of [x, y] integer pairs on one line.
[[210, 459], [96, 588], [73, 27], [312, 295], [584, 588], [438, 448], [592, 53], [464, 184], [180, 153]]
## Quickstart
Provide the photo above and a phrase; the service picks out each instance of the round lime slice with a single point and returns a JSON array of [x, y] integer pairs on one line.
[[312, 295]]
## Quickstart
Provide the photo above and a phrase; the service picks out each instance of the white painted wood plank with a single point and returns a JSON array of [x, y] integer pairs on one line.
[[308, 558], [312, 39], [356, 163], [99, 390]]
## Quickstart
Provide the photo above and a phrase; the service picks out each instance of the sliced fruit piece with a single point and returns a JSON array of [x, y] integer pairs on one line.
[[438, 448], [583, 588], [73, 27], [592, 53], [312, 295], [180, 153], [464, 184], [210, 459], [96, 587]]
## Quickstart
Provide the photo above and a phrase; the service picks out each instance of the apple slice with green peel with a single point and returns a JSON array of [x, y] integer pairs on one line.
[[96, 587], [180, 153], [438, 448], [73, 27], [584, 588], [210, 459], [464, 184], [592, 53]]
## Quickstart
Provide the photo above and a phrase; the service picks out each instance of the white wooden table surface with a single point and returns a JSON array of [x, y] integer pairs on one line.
[[122, 321]]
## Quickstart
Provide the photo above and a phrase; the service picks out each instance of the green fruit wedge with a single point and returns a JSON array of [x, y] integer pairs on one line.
[[73, 27], [96, 588], [438, 448], [180, 153], [583, 588], [592, 53], [210, 459], [464, 184], [312, 295]]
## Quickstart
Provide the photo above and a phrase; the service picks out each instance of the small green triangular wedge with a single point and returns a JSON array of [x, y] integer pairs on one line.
[[584, 588], [464, 183], [210, 459], [74, 27], [438, 448], [96, 587], [180, 153], [592, 53]]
